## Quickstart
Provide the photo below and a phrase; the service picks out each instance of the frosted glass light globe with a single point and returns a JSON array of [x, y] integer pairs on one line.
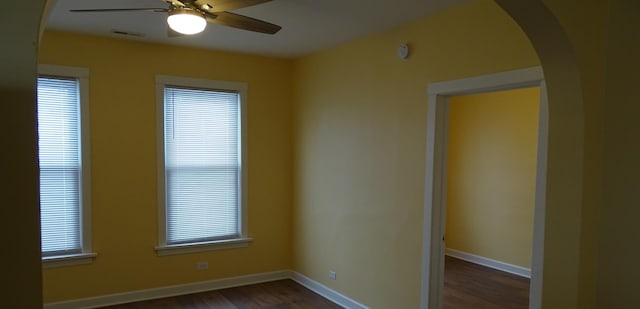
[[186, 21]]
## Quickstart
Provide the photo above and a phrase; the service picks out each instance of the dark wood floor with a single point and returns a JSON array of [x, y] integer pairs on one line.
[[270, 295], [468, 285]]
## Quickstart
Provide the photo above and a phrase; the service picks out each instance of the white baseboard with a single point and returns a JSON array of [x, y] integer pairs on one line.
[[168, 291], [325, 291], [513, 269], [204, 286]]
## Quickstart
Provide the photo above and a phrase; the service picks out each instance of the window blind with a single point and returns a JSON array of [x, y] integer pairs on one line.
[[60, 166], [202, 165]]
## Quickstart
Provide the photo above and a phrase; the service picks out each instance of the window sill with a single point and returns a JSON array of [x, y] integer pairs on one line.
[[68, 260], [203, 246]]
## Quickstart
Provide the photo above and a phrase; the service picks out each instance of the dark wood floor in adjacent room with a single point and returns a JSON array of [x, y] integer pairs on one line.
[[280, 294], [468, 285]]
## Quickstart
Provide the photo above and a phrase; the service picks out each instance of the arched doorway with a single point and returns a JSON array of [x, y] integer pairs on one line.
[[18, 58], [561, 239], [557, 243]]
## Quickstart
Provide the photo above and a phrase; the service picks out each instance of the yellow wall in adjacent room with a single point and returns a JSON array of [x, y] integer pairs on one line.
[[491, 174], [360, 140], [123, 164]]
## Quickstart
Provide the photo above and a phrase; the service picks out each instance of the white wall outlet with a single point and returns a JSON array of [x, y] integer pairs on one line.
[[332, 275], [202, 265]]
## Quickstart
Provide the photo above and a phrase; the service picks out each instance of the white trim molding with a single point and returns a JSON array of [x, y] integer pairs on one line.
[[523, 78], [205, 286], [169, 291], [242, 239], [203, 246], [68, 260], [86, 254], [326, 292], [491, 263]]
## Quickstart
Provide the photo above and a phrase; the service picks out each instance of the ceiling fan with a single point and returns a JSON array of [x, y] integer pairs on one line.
[[191, 16]]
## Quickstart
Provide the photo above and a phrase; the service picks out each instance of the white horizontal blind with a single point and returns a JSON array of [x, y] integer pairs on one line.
[[60, 165], [202, 165]]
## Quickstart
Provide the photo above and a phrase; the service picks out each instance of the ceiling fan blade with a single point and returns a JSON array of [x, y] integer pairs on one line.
[[242, 22], [121, 10], [226, 5]]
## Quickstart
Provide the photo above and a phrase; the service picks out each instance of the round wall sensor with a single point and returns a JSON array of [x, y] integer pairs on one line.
[[403, 51]]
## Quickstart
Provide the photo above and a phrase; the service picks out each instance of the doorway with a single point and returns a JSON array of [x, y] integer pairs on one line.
[[436, 172], [490, 188]]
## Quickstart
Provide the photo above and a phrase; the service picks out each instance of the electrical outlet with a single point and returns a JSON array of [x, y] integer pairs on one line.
[[202, 265], [332, 275]]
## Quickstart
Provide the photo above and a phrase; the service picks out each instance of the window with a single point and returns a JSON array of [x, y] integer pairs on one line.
[[201, 171], [64, 165]]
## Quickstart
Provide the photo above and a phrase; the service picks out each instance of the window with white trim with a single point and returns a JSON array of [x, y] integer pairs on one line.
[[201, 171], [64, 165]]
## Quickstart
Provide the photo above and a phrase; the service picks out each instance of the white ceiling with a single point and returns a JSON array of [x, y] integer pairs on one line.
[[307, 25]]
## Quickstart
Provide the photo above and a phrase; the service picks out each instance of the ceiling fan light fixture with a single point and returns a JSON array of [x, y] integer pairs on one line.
[[186, 21]]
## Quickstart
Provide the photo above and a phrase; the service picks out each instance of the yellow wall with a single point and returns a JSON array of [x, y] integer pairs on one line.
[[123, 164], [619, 237], [491, 174], [359, 145], [586, 26]]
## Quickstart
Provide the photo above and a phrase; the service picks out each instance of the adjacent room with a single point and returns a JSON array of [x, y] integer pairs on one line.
[[491, 184]]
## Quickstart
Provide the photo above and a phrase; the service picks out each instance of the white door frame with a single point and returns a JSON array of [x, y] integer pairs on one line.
[[436, 176]]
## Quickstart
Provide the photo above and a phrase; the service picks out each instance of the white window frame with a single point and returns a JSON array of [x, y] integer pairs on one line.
[[243, 240], [86, 256]]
